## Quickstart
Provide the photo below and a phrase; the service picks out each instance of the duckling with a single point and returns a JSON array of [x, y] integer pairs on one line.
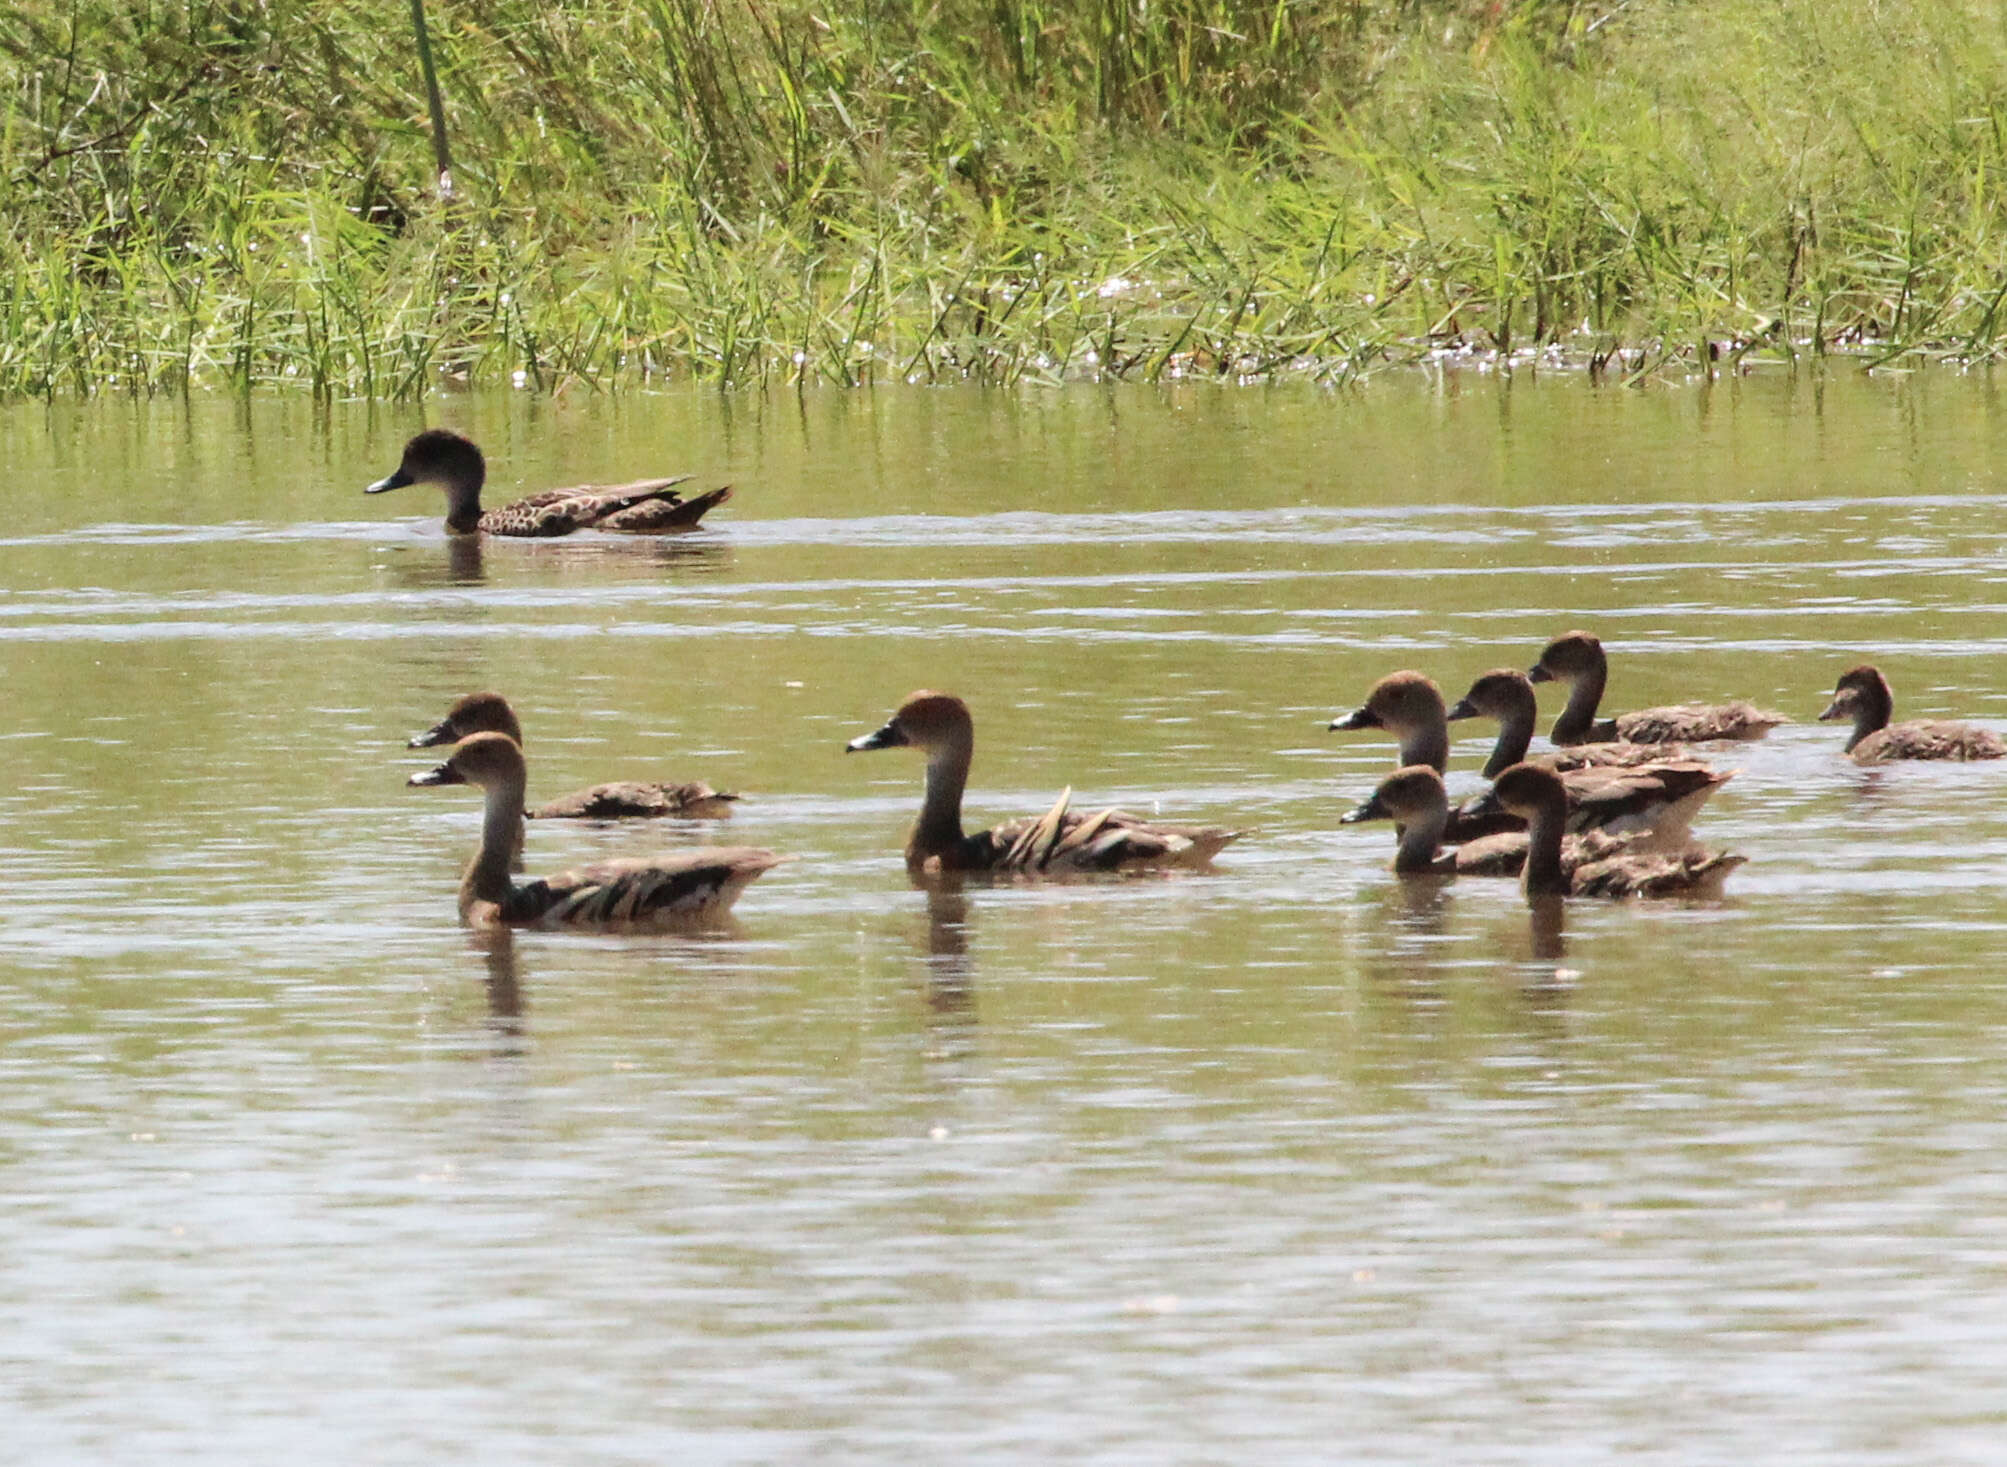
[[491, 713], [1863, 695], [660, 891], [1577, 659], [1506, 694], [1061, 840], [647, 507], [1537, 795]]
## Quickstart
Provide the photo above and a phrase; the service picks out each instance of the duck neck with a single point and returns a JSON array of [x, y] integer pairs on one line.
[[1420, 839], [463, 505], [1544, 876], [938, 831], [1871, 715], [487, 877], [1515, 736], [1579, 717], [1428, 744]]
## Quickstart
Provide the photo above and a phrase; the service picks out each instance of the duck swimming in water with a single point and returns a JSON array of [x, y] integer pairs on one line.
[[662, 891], [451, 461], [1577, 659], [1537, 795], [1061, 840], [628, 799], [1863, 695]]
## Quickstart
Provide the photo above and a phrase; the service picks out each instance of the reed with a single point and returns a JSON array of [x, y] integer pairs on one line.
[[1006, 191]]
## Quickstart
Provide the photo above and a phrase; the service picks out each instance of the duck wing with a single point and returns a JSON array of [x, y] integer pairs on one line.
[[1929, 739], [663, 889], [1696, 723], [664, 514], [630, 800]]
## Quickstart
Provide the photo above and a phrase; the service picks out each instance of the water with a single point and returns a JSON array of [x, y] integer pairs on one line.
[[1285, 1164]]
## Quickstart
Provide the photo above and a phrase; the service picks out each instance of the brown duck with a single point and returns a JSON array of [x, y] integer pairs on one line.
[[646, 507], [1537, 795], [1577, 660], [1506, 694], [663, 891], [1863, 695], [626, 800], [1061, 840]]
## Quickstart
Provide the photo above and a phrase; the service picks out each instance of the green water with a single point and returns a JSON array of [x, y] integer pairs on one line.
[[1282, 1164]]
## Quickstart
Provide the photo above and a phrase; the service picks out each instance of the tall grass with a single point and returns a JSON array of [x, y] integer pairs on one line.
[[747, 191]]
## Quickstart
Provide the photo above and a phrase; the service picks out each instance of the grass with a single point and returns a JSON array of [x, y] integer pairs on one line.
[[759, 191]]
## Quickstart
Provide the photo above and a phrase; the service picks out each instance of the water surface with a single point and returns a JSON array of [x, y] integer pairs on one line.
[[1284, 1164]]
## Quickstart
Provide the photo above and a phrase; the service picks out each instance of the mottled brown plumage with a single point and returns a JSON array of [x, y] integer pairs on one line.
[[1536, 794], [1577, 659], [1060, 840], [669, 890], [624, 800], [451, 461], [1863, 696]]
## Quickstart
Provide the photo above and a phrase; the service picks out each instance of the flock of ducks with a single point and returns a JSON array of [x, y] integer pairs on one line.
[[1607, 813]]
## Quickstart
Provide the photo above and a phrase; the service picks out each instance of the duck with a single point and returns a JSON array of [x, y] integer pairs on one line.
[[1506, 694], [453, 462], [1660, 795], [1576, 658], [1537, 795], [1864, 696], [660, 891], [1061, 840], [1413, 798], [487, 712]]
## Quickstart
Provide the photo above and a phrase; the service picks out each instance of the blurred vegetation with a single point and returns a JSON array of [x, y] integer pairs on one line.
[[216, 191]]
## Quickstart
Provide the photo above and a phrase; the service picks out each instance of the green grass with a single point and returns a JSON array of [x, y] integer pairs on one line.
[[762, 191]]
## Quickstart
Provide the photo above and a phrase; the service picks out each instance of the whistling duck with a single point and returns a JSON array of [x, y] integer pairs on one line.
[[627, 799], [1538, 796], [1863, 695], [1577, 660], [1061, 840], [647, 507]]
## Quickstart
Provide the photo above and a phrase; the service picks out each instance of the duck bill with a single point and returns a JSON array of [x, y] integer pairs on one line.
[[1369, 809], [1461, 709], [1358, 718], [889, 737], [440, 733], [395, 480], [444, 774], [1836, 710], [1538, 673]]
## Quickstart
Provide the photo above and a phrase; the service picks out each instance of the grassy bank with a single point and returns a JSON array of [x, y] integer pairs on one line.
[[752, 191]]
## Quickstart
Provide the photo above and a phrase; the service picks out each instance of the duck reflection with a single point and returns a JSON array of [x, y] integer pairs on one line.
[[948, 981], [1544, 922], [497, 947], [1409, 948]]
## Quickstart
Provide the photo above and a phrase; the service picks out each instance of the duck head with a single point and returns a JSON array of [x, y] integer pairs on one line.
[[487, 759], [436, 456], [1568, 658], [927, 721], [475, 713]]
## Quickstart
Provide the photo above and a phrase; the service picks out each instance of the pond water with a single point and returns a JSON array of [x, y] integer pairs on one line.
[[1286, 1163]]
